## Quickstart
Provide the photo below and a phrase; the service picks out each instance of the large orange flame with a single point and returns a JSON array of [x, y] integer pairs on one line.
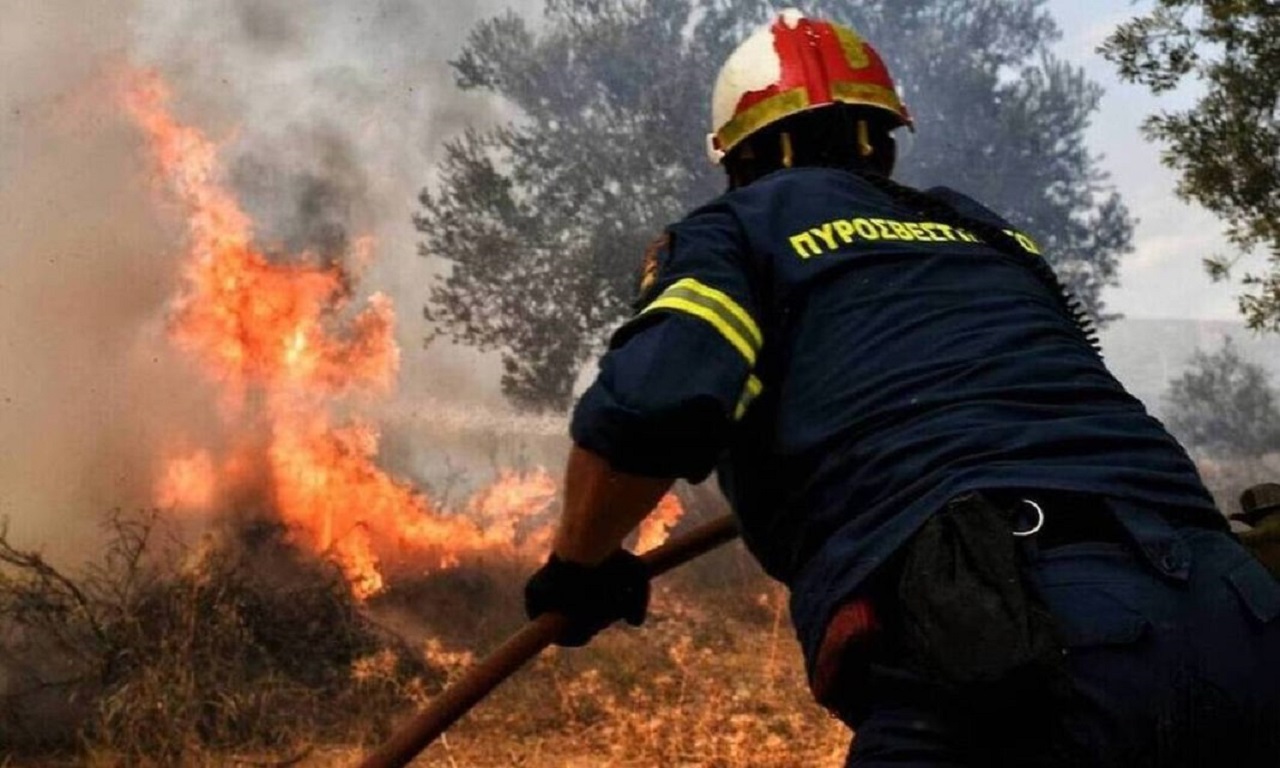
[[286, 331]]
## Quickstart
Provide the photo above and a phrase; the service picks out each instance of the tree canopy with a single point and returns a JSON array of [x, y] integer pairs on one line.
[[1227, 146], [541, 222], [1224, 406]]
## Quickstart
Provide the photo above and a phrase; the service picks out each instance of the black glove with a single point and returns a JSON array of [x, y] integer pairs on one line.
[[591, 597]]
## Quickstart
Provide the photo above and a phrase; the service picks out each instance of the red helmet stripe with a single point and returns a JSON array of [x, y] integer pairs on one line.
[[802, 63], [812, 57], [834, 59]]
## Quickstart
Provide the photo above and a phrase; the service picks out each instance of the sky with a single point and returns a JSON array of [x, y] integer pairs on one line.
[[1163, 278]]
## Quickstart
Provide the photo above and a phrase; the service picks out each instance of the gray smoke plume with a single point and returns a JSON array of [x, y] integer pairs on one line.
[[332, 115], [87, 381], [339, 112]]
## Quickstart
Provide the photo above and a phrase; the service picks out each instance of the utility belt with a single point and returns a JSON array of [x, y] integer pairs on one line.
[[1051, 519], [956, 607]]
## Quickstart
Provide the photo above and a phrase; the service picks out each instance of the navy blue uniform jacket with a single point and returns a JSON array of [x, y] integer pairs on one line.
[[848, 365]]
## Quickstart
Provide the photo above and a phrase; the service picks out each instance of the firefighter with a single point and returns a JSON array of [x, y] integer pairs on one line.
[[995, 556]]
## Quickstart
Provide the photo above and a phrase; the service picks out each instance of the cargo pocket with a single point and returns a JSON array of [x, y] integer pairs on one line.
[[1088, 615], [1093, 591], [1257, 589]]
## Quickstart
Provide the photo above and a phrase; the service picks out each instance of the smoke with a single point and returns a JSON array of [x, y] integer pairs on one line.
[[338, 114], [87, 381], [316, 189], [333, 115]]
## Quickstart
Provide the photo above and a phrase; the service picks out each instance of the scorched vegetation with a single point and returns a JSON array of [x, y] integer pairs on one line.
[[245, 649]]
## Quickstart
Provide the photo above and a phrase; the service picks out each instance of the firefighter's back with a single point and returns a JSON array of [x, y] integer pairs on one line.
[[906, 361]]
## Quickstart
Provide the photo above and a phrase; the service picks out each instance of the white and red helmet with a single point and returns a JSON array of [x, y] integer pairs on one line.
[[793, 65]]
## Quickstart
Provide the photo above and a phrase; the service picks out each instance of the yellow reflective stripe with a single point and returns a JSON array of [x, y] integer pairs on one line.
[[693, 297], [757, 116], [855, 50], [711, 316], [749, 394], [724, 300], [787, 103], [868, 94], [1025, 241]]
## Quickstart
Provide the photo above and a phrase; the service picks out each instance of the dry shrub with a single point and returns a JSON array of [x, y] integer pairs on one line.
[[474, 605], [245, 651], [243, 644]]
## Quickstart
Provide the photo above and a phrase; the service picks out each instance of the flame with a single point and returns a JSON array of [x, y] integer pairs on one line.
[[287, 332], [293, 349], [657, 527], [249, 320], [189, 482]]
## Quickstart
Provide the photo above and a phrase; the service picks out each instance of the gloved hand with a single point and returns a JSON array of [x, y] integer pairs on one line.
[[591, 597]]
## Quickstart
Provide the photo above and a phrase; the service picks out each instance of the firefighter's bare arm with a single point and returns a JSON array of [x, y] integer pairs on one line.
[[589, 578], [674, 383], [601, 506]]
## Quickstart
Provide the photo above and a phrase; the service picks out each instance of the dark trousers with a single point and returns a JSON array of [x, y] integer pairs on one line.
[[1174, 660]]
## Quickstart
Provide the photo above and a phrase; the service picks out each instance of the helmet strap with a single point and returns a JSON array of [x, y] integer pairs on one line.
[[835, 137], [865, 148]]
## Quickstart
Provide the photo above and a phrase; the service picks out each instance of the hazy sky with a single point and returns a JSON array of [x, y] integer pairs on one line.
[[1163, 278]]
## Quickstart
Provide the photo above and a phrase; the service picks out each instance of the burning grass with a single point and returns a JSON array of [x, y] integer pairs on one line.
[[713, 679], [246, 649]]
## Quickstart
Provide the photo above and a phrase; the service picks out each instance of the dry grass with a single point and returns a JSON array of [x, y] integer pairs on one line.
[[150, 660], [694, 687], [243, 651]]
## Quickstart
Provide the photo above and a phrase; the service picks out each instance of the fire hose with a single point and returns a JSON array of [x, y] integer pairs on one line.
[[523, 646]]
